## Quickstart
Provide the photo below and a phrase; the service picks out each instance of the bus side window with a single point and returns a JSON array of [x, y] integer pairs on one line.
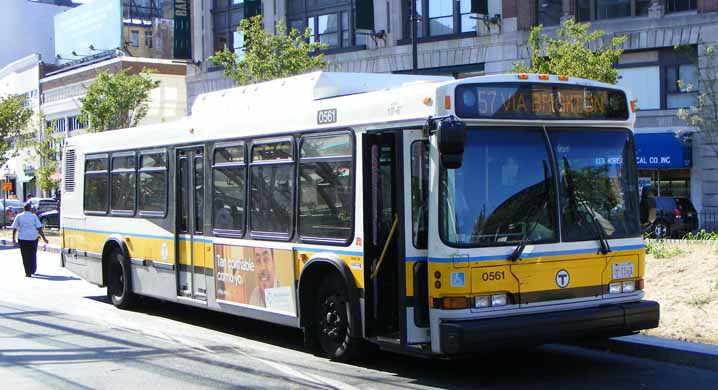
[[123, 184], [420, 193], [96, 184], [228, 189], [272, 189], [152, 194], [326, 188]]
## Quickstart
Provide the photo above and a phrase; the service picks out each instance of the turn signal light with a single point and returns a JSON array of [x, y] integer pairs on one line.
[[634, 106], [563, 77], [523, 76], [454, 303], [543, 77], [447, 102], [639, 284]]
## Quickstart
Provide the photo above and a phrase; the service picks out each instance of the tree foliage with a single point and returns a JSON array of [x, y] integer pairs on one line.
[[268, 56], [119, 100], [14, 118], [46, 150], [570, 53], [704, 115]]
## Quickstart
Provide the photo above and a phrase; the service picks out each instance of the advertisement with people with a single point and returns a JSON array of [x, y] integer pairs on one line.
[[260, 277]]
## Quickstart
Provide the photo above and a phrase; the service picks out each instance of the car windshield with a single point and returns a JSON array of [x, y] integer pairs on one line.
[[13, 203], [503, 190], [598, 190]]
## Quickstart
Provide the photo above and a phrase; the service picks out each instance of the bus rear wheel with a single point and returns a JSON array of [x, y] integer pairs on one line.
[[119, 290], [333, 311]]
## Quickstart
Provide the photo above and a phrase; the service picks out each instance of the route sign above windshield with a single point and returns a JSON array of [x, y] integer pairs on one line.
[[540, 101]]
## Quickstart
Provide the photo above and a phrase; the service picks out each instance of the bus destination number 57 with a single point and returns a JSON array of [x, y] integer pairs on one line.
[[325, 117]]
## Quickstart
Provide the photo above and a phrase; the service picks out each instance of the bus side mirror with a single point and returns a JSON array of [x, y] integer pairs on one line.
[[451, 137]]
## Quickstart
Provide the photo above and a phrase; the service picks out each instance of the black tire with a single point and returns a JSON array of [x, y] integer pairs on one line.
[[660, 229], [119, 286], [333, 311]]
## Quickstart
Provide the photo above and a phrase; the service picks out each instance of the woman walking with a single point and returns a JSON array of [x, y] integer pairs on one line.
[[29, 227]]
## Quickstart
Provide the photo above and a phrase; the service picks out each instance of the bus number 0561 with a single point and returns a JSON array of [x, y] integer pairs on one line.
[[327, 116], [496, 275]]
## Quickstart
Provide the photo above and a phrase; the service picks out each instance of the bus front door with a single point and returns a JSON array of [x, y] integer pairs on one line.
[[190, 243]]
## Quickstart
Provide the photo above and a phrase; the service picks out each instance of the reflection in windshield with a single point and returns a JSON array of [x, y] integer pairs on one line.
[[503, 186], [596, 184]]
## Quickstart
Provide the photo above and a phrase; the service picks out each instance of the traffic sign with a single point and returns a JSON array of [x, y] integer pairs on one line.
[[7, 186]]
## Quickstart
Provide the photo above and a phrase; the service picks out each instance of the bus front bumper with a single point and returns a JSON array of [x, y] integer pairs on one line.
[[459, 337]]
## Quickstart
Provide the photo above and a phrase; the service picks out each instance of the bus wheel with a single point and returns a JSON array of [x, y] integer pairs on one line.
[[118, 286], [332, 321]]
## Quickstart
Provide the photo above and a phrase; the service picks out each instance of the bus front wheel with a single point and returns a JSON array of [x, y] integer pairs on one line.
[[119, 291], [332, 321]]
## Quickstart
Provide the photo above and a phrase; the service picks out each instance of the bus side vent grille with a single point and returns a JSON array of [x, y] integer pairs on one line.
[[70, 170]]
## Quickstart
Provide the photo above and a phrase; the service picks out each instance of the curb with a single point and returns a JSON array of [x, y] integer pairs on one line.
[[40, 247], [684, 353]]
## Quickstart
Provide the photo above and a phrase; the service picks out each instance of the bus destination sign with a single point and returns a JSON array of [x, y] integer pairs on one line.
[[540, 101]]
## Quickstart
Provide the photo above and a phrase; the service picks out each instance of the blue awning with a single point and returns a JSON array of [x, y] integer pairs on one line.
[[663, 150]]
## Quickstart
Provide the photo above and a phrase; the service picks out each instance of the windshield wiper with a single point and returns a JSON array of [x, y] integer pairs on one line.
[[605, 248], [534, 213]]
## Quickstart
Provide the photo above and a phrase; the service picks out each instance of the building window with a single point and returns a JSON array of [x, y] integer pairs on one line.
[[148, 38], [76, 123], [587, 10], [135, 38], [681, 85], [549, 12], [680, 5], [332, 22], [662, 79], [226, 17], [435, 18]]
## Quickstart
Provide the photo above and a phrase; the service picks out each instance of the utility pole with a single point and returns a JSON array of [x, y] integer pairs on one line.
[[414, 53]]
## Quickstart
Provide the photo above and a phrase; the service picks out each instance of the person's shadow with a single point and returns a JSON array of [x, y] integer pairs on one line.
[[54, 278]]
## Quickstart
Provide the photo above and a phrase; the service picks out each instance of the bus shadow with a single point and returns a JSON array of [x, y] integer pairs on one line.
[[256, 330], [54, 278]]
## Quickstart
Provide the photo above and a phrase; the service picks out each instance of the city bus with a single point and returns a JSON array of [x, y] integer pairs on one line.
[[420, 214]]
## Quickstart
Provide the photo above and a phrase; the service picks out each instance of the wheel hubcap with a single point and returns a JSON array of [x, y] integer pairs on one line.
[[332, 325]]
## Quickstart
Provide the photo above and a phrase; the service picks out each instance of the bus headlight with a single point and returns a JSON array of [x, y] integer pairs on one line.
[[629, 286], [482, 302], [614, 288], [498, 300]]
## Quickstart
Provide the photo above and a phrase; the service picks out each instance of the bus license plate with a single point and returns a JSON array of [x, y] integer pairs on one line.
[[622, 270]]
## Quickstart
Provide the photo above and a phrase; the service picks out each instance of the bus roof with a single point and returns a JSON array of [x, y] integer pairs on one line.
[[292, 104]]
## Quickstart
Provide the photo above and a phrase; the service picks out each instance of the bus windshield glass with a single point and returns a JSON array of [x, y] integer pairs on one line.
[[503, 190], [596, 183]]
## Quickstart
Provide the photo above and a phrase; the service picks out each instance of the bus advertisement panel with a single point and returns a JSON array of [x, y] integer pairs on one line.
[[260, 277]]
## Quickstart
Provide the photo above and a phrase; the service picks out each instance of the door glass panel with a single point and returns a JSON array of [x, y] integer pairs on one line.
[[419, 193], [198, 194], [183, 199]]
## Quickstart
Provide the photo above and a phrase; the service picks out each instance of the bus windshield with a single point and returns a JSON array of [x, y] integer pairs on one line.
[[596, 183], [504, 190]]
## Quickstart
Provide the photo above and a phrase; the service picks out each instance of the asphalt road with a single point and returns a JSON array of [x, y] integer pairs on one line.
[[57, 331]]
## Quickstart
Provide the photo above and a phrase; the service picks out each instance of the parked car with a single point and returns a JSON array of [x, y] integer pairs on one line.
[[50, 219], [666, 216], [11, 208], [41, 205]]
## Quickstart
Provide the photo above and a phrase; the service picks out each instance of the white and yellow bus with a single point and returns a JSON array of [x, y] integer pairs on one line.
[[425, 215]]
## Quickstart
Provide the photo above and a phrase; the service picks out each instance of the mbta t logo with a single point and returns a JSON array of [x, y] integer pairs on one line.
[[562, 278]]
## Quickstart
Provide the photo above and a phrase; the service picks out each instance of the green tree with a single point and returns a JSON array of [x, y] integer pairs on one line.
[[570, 54], [704, 114], [46, 149], [269, 56], [119, 100], [14, 117]]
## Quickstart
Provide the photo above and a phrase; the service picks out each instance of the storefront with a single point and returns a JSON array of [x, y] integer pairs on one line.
[[664, 162]]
